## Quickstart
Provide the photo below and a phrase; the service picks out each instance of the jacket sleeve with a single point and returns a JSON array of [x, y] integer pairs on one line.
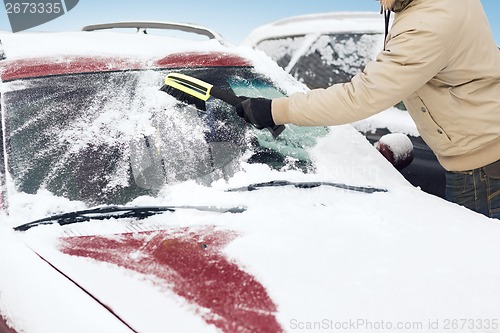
[[411, 59]]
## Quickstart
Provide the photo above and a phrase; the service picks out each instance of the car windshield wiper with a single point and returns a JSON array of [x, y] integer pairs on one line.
[[279, 183], [117, 212]]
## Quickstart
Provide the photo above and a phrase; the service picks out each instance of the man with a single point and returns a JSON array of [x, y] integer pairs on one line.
[[440, 58]]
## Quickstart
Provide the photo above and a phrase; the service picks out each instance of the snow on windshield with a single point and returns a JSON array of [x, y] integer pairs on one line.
[[80, 128], [127, 119], [113, 136], [128, 116]]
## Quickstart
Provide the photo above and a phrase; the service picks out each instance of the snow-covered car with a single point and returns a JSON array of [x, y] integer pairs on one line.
[[127, 210], [323, 49]]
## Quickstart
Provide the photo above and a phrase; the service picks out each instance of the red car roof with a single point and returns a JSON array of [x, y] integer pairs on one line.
[[39, 67], [213, 59]]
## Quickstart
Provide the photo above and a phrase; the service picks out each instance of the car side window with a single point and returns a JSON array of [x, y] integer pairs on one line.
[[336, 58], [282, 50]]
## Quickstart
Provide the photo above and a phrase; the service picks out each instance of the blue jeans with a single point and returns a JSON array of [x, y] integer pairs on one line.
[[476, 190]]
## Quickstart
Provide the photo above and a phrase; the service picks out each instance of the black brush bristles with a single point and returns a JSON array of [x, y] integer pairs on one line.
[[184, 97]]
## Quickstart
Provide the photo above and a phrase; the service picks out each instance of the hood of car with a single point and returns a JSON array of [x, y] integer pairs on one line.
[[186, 264], [294, 257]]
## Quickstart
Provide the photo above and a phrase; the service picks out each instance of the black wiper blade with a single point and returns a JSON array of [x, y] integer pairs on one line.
[[279, 183], [117, 212]]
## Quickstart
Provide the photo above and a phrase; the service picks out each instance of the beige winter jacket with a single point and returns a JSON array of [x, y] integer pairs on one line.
[[442, 61]]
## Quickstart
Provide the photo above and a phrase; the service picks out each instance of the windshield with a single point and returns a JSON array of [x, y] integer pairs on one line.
[[111, 137]]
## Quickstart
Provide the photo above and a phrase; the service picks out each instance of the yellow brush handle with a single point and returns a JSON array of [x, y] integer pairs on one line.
[[202, 90], [189, 85]]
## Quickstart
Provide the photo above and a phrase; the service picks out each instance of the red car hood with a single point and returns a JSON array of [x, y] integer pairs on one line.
[[185, 267]]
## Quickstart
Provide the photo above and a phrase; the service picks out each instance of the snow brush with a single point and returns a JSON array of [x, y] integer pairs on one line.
[[195, 91]]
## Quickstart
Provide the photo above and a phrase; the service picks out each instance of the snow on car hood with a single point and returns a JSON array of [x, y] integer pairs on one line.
[[307, 256]]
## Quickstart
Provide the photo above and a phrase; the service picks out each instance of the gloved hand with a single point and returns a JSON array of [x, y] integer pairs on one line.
[[256, 111]]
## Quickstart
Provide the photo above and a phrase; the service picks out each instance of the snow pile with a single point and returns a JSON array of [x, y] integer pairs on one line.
[[317, 23], [137, 46], [399, 144], [397, 148], [395, 120], [400, 256]]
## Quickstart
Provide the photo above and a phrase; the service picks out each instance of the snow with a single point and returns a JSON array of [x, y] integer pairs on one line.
[[31, 288], [395, 120], [321, 253], [22, 45], [325, 255], [317, 23], [398, 143]]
